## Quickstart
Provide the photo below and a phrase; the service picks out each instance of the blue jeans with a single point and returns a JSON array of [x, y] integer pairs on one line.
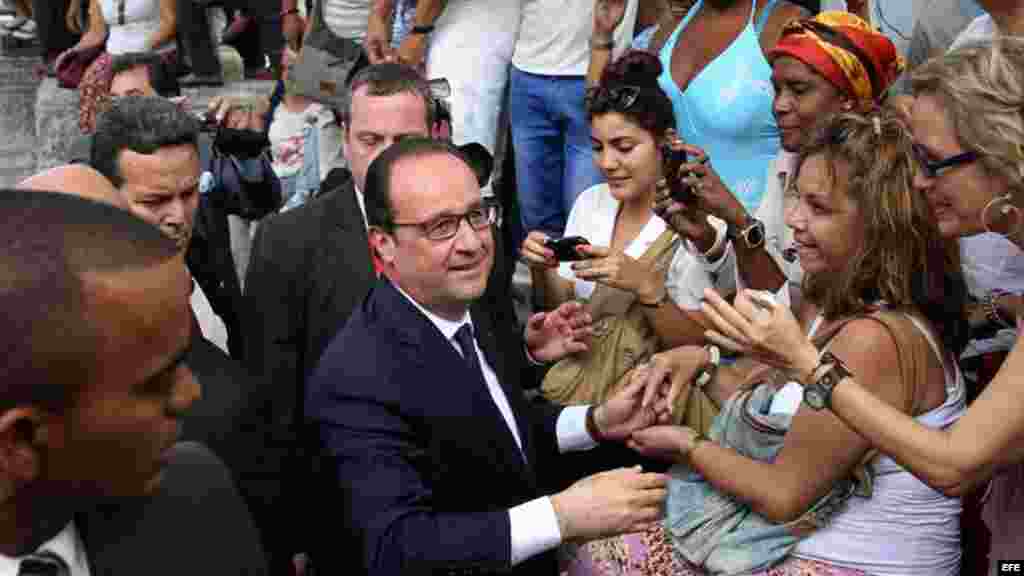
[[551, 139]]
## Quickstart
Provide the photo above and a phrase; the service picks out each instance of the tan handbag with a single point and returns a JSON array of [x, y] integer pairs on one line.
[[622, 339]]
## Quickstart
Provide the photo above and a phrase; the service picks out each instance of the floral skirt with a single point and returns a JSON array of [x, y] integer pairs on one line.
[[651, 553], [93, 90]]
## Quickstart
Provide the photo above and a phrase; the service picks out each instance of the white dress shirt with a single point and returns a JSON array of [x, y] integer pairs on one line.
[[210, 324], [361, 200], [534, 526], [67, 544]]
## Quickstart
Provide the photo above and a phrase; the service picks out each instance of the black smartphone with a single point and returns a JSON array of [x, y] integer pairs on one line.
[[565, 248], [679, 191]]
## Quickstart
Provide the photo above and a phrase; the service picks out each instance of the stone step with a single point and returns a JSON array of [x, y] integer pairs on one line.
[[18, 87]]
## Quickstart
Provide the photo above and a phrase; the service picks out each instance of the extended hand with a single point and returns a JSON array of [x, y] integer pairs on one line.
[[667, 443], [551, 336], [668, 374], [711, 193], [619, 271], [610, 503], [769, 332], [625, 412], [378, 40]]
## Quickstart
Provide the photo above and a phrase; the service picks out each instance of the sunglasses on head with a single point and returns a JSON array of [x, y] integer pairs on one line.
[[618, 97], [934, 169]]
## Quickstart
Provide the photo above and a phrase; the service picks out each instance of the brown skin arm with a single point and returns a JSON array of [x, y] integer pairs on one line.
[[820, 449], [953, 461], [757, 268], [675, 326], [168, 25], [97, 32]]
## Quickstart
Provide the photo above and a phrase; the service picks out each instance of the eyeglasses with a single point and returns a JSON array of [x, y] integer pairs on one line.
[[935, 169], [447, 226], [619, 97]]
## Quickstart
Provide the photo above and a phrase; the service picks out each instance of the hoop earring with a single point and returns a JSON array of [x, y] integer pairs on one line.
[[1005, 210]]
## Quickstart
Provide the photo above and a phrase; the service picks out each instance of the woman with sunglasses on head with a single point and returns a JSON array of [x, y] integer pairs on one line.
[[832, 63], [782, 483], [626, 274], [967, 124]]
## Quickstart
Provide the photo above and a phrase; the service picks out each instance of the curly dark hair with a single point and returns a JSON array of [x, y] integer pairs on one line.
[[637, 71]]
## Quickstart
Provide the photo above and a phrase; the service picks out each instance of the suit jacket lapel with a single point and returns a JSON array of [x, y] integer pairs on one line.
[[345, 245], [418, 331], [498, 359]]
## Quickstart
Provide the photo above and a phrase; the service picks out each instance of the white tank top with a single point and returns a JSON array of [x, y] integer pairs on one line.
[[131, 27], [906, 528]]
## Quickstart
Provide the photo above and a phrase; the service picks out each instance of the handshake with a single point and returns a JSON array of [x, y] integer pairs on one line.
[[627, 499]]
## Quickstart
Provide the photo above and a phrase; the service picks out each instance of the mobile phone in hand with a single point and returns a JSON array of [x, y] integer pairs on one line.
[[565, 248], [679, 191]]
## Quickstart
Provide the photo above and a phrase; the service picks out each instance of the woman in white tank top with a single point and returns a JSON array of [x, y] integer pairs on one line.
[[121, 26]]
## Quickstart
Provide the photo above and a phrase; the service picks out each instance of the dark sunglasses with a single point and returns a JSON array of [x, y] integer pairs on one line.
[[934, 169], [599, 98]]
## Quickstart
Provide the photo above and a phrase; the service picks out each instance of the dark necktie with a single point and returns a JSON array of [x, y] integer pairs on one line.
[[464, 336], [43, 563]]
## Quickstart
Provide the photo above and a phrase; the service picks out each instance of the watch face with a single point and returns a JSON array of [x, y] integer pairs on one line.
[[814, 398], [755, 235]]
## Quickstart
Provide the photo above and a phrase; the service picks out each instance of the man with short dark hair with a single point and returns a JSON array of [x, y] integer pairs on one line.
[[148, 148], [442, 463], [93, 386]]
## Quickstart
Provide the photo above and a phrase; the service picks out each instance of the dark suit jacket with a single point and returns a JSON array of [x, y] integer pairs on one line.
[[231, 418], [426, 464], [195, 523]]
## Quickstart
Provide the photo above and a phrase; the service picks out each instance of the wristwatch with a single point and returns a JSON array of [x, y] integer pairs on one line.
[[752, 233], [830, 372]]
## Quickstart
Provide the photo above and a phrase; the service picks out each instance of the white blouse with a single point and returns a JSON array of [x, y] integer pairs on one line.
[[131, 28], [593, 217]]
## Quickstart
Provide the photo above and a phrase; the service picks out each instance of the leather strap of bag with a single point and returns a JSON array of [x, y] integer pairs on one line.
[[912, 350]]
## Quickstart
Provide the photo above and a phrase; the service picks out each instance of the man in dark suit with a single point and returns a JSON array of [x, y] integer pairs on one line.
[[148, 147], [441, 461], [231, 417], [93, 386], [311, 266]]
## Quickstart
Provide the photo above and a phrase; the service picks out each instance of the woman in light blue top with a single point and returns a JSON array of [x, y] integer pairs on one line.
[[720, 86]]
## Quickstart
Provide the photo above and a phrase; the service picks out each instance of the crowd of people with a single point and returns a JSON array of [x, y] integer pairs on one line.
[[770, 269]]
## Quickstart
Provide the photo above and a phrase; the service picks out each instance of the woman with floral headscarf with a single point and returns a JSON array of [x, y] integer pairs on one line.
[[832, 63]]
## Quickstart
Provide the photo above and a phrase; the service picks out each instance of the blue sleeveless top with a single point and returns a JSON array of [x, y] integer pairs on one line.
[[727, 108]]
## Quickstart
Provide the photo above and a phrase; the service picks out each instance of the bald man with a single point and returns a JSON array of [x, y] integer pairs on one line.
[[93, 387], [230, 417], [78, 180]]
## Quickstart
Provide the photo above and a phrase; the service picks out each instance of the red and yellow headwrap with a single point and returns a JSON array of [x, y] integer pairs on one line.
[[858, 59]]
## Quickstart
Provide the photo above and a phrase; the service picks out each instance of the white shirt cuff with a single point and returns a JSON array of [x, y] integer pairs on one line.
[[571, 430], [534, 529]]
